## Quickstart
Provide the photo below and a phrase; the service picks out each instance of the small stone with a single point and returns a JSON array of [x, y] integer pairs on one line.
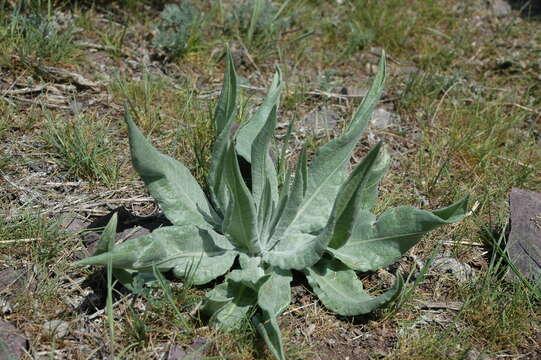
[[73, 224], [8, 277], [176, 352], [382, 119], [56, 328], [461, 271], [408, 70], [15, 342], [13, 282], [5, 306], [499, 8], [320, 119]]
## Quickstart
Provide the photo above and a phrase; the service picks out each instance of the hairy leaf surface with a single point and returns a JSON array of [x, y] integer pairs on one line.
[[179, 248], [329, 166], [341, 291], [168, 181], [377, 243]]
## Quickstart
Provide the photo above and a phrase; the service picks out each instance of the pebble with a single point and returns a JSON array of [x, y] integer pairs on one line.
[[57, 328]]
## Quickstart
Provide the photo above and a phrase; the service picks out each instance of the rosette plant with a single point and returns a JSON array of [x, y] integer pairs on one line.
[[318, 222]]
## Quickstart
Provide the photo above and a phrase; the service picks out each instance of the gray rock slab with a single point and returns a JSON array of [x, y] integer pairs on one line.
[[524, 243], [13, 343]]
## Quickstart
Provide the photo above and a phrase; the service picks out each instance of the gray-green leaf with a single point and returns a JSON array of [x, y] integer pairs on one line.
[[241, 221], [187, 250], [341, 291], [274, 295], [168, 181], [377, 243], [268, 328], [329, 166], [298, 250], [228, 304], [223, 118]]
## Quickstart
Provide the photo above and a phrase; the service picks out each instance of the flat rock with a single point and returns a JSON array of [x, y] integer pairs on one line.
[[499, 7], [194, 352], [72, 223], [382, 119], [524, 243], [14, 341], [56, 328], [14, 282], [319, 120], [460, 271]]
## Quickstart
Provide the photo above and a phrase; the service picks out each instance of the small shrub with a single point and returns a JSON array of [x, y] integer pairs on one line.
[[177, 31]]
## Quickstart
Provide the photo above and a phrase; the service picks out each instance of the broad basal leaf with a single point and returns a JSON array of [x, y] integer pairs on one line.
[[289, 202], [223, 119], [368, 194], [377, 243], [241, 221], [341, 291], [248, 132], [261, 162], [187, 250], [253, 139], [268, 328], [168, 181], [228, 304], [250, 274], [298, 250], [348, 201], [329, 166], [274, 294]]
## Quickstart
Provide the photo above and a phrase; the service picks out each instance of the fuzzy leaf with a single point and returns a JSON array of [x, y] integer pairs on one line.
[[268, 328], [247, 133], [168, 181], [264, 214], [227, 102], [251, 273], [377, 243], [347, 204], [289, 204], [260, 161], [107, 238], [341, 291], [329, 166], [228, 304], [180, 248], [223, 118], [368, 194], [274, 294], [241, 222], [297, 250]]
